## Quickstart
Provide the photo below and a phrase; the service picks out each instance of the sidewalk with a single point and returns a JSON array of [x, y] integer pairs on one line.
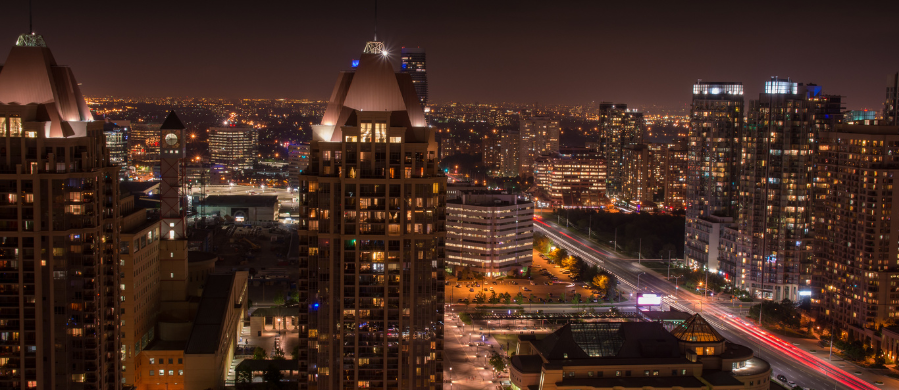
[[464, 369]]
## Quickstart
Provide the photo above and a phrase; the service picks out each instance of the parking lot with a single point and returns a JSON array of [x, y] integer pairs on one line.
[[540, 286]]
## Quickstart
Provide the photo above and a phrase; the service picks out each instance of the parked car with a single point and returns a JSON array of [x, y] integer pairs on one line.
[[781, 378]]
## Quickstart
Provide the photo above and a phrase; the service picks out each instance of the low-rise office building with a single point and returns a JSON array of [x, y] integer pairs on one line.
[[244, 208], [489, 232]]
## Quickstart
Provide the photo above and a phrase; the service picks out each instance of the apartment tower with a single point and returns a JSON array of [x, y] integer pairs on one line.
[[539, 136], [713, 168], [777, 186], [371, 235], [618, 128], [891, 103], [855, 234], [58, 235]]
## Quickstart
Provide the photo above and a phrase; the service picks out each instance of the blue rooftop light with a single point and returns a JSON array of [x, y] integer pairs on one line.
[[355, 63]]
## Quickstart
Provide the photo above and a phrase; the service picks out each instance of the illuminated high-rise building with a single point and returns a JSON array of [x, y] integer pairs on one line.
[[117, 133], [144, 144], [539, 136], [891, 103], [298, 159], [371, 237], [58, 236], [574, 177], [618, 128], [777, 185], [855, 234], [414, 62], [674, 167], [713, 168], [508, 154], [233, 147]]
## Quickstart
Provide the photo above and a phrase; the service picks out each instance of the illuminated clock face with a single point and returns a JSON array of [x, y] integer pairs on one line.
[[171, 139]]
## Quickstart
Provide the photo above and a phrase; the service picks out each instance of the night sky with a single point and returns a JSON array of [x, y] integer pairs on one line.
[[638, 52]]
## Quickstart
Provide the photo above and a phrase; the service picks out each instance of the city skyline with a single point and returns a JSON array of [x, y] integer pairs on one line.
[[273, 51]]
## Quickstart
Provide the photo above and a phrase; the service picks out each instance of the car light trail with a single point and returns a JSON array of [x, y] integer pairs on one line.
[[775, 344]]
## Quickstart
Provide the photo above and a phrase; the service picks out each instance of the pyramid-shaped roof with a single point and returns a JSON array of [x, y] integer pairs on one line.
[[696, 329], [172, 122], [31, 76], [373, 86]]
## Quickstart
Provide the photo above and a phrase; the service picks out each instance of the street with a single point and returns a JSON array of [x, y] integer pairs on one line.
[[797, 363]]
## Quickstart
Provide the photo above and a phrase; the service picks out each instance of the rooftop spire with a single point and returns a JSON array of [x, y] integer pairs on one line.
[[30, 39], [375, 47]]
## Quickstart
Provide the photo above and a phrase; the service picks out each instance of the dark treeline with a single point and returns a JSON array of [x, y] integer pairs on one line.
[[659, 233]]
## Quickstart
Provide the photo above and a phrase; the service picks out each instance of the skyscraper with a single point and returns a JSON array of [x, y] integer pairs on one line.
[[855, 236], [539, 136], [509, 148], [414, 62], [619, 128], [777, 184], [371, 236], [891, 103], [713, 168], [298, 158], [117, 133], [58, 238]]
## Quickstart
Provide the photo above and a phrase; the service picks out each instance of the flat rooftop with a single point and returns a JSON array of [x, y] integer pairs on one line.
[[242, 200], [207, 329]]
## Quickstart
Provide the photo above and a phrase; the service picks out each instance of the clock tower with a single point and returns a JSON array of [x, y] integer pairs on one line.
[[172, 213]]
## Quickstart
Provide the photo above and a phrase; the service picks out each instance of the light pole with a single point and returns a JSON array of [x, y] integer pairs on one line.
[[675, 285], [669, 264], [638, 281], [640, 252], [616, 240], [589, 226]]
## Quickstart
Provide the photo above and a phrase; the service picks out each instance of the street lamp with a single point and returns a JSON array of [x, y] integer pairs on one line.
[[675, 285], [638, 281]]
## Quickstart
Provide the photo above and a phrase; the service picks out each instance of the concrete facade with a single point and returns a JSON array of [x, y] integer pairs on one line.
[[489, 232]]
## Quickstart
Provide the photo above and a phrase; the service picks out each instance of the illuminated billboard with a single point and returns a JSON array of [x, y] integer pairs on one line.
[[648, 299]]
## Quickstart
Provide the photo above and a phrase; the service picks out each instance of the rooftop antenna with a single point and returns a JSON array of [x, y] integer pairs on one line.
[[30, 18], [375, 47]]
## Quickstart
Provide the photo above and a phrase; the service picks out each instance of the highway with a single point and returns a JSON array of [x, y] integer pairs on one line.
[[798, 365]]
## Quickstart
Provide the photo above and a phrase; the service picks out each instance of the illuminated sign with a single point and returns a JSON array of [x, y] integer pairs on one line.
[[648, 299], [805, 293]]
